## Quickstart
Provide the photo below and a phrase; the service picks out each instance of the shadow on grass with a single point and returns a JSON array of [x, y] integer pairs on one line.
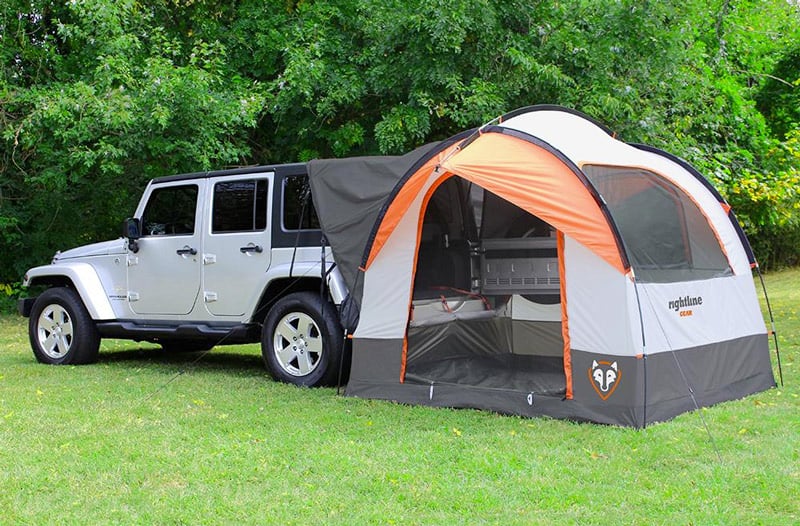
[[224, 360]]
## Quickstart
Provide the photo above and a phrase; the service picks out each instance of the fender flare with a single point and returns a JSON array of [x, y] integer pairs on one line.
[[83, 278], [311, 269]]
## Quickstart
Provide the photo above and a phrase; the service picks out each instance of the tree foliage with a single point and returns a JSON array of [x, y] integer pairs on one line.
[[98, 96]]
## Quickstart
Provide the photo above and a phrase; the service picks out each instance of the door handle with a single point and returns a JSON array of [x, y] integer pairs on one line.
[[185, 251], [251, 248]]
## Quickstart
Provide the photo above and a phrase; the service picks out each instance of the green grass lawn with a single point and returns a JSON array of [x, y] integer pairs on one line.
[[131, 441]]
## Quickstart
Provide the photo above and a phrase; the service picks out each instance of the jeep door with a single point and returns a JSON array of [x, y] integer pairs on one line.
[[164, 275], [237, 243]]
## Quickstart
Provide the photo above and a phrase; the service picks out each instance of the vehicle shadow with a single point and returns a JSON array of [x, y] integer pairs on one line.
[[227, 360]]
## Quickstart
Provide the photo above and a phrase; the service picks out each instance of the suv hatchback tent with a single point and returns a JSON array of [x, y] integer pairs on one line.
[[539, 266]]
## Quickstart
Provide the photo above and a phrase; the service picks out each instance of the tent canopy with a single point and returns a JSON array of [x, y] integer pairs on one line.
[[529, 266]]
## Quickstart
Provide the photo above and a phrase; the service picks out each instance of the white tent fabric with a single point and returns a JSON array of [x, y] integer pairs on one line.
[[601, 318], [729, 310]]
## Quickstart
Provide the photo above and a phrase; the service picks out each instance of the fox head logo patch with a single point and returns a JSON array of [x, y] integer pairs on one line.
[[605, 377]]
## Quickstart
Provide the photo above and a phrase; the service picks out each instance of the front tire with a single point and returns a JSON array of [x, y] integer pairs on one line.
[[60, 329], [301, 341]]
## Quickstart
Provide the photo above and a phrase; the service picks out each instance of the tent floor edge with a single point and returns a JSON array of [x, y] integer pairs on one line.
[[664, 410]]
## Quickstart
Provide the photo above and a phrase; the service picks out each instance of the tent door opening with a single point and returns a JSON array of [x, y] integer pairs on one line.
[[486, 306]]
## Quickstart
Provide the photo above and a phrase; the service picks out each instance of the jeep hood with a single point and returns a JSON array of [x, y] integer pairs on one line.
[[104, 248]]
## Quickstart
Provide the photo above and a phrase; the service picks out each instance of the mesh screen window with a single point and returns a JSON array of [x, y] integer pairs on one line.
[[665, 233]]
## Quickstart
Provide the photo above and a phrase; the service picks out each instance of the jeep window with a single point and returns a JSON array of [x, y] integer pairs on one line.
[[170, 211], [240, 206], [297, 203]]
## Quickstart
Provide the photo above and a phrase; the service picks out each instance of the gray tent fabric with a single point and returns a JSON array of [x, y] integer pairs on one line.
[[349, 195]]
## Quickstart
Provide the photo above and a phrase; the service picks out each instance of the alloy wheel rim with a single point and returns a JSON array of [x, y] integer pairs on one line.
[[55, 331], [297, 344]]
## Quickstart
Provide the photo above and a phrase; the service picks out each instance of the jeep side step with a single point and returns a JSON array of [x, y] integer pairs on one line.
[[159, 331]]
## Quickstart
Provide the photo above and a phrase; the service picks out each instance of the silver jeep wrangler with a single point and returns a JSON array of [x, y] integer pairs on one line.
[[216, 258]]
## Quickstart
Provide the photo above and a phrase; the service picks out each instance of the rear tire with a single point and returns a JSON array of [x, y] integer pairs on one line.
[[60, 329], [302, 340]]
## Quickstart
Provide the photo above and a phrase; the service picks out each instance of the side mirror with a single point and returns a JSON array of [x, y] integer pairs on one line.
[[131, 230]]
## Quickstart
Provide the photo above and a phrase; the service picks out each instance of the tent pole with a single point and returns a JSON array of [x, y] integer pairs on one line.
[[644, 349], [474, 135], [341, 365], [772, 322]]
